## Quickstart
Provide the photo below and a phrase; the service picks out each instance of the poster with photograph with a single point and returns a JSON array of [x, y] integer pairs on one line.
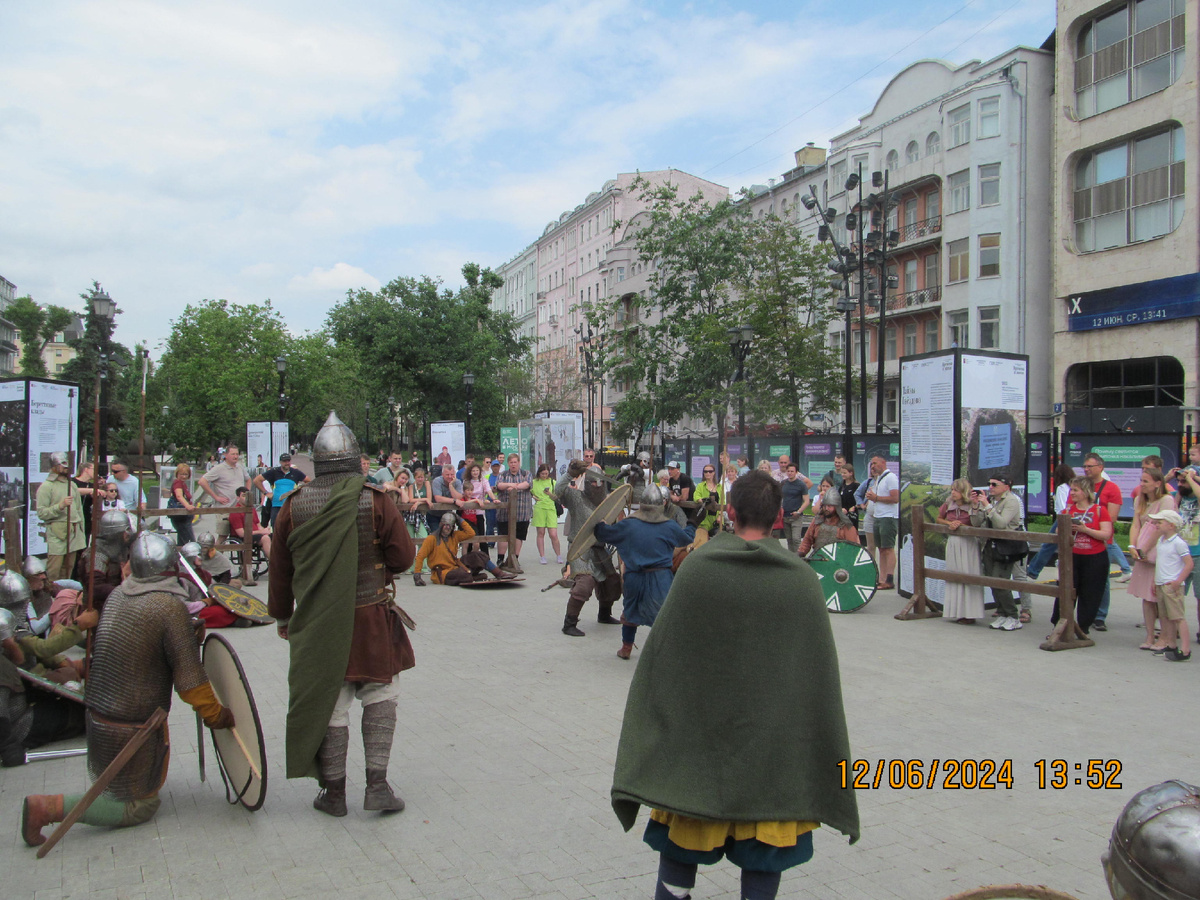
[[53, 426], [1122, 455], [554, 442], [703, 453], [447, 444], [993, 429], [12, 491], [259, 457], [12, 423]]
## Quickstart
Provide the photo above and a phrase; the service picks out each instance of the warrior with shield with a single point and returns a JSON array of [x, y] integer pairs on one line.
[[594, 569], [146, 647], [339, 543]]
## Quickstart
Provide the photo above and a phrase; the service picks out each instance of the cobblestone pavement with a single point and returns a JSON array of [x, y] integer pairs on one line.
[[505, 747]]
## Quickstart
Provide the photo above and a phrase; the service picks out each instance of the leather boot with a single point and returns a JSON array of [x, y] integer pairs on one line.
[[604, 615], [38, 811], [379, 793], [569, 626], [626, 651], [332, 799]]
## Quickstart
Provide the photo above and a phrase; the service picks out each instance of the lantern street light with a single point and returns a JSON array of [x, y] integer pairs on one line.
[[281, 368], [740, 339], [468, 381]]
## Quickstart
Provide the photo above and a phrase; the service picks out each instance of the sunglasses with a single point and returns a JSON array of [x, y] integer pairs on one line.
[[995, 483]]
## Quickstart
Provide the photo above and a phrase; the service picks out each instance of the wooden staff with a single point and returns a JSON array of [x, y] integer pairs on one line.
[[97, 506], [114, 768]]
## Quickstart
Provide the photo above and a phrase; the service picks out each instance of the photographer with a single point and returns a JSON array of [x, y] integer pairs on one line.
[[1004, 514]]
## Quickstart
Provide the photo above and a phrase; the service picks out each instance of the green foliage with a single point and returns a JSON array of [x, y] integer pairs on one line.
[[788, 301], [415, 340], [82, 369], [36, 327], [218, 373], [632, 416]]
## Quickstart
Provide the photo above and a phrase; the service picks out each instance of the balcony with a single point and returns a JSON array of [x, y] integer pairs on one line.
[[923, 230], [908, 302]]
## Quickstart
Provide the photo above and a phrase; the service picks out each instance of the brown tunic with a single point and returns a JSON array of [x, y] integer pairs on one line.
[[380, 647]]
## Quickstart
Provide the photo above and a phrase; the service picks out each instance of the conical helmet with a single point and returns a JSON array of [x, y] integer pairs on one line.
[[14, 592], [335, 448], [151, 554], [33, 567]]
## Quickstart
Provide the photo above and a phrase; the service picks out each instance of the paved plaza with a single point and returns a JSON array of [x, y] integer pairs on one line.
[[505, 747]]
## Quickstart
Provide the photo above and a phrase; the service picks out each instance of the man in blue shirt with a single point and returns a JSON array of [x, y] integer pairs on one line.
[[282, 480]]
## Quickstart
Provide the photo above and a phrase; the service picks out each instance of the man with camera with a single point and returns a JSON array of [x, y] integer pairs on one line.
[[1004, 514]]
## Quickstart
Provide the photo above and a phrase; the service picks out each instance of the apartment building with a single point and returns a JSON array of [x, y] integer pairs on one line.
[[1126, 250]]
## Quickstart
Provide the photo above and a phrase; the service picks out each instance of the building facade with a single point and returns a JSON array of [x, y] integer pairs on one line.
[[1126, 251], [8, 331]]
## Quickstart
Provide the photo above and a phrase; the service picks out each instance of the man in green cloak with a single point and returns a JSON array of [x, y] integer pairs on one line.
[[734, 725]]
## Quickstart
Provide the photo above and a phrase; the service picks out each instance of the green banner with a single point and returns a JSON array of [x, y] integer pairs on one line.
[[510, 441]]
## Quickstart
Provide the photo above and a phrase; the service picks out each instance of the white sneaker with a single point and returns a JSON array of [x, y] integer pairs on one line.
[[999, 623], [1011, 624], [1122, 579], [542, 560], [560, 559]]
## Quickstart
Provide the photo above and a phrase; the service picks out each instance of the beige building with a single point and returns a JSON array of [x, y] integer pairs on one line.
[[1126, 250], [9, 349]]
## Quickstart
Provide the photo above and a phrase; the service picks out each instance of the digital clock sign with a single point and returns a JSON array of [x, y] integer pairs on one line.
[[1135, 304]]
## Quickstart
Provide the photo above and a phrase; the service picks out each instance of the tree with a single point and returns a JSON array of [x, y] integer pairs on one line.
[[218, 372], [787, 299], [415, 340], [696, 252], [36, 327]]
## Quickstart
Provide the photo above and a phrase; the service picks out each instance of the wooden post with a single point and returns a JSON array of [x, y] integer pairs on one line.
[[12, 536], [1067, 635], [918, 607]]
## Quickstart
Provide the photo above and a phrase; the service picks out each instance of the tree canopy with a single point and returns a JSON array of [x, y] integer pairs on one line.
[[36, 327]]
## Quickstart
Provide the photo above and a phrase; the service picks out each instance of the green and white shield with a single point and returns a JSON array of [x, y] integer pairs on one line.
[[848, 575]]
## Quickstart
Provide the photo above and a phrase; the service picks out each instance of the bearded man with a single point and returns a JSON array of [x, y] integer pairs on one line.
[[594, 570], [830, 524], [445, 566]]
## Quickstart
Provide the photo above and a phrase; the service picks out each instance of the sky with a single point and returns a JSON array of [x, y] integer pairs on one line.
[[290, 151]]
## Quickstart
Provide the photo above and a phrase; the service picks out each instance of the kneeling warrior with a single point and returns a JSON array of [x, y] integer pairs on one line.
[[445, 566], [147, 645], [339, 542], [594, 570]]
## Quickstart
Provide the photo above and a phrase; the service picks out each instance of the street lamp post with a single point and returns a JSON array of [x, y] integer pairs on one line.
[[368, 404], [281, 368], [469, 383], [587, 368], [162, 443], [104, 309], [884, 239], [740, 339], [391, 423]]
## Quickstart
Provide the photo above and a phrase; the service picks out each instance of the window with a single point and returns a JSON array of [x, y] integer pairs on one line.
[[1125, 383], [989, 117], [910, 275], [1129, 192], [989, 255], [910, 212], [889, 347], [861, 164], [837, 342], [989, 184], [931, 335], [891, 405], [960, 191], [933, 204], [932, 270], [893, 161], [989, 328], [837, 172], [959, 323], [620, 273], [959, 253], [910, 339], [959, 121], [933, 143], [1129, 53], [858, 339]]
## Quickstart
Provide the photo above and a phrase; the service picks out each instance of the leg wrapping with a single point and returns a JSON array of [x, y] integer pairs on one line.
[[331, 758], [378, 727]]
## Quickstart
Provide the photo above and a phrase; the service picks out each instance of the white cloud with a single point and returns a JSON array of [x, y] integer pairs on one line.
[[337, 279]]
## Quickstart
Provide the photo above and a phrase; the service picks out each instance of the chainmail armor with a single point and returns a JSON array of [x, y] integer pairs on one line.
[[308, 500], [146, 647], [16, 714], [577, 503]]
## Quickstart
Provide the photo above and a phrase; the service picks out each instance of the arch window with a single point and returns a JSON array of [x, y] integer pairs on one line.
[[893, 160], [912, 152], [933, 143]]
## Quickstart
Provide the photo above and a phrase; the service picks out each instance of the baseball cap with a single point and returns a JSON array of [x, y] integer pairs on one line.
[[1003, 479], [672, 465], [497, 462], [283, 457], [1168, 515]]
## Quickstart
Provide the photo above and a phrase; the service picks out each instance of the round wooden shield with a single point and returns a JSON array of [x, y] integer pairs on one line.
[[607, 512], [240, 603], [848, 575], [241, 753]]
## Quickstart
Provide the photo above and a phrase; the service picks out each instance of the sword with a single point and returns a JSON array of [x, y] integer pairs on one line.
[[39, 755], [191, 573], [200, 745]]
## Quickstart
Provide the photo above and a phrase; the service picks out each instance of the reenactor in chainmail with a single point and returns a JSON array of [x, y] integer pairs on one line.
[[638, 476], [147, 647], [594, 570], [339, 543], [829, 524], [112, 538], [43, 654]]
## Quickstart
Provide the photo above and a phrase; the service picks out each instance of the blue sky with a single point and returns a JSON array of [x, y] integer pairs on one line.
[[290, 151]]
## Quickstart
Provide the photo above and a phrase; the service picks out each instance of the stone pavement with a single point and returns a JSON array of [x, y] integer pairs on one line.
[[505, 750]]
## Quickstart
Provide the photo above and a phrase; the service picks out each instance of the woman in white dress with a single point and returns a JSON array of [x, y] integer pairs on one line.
[[963, 602]]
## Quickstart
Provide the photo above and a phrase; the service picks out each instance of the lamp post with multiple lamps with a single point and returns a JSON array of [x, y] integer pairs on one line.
[[391, 424], [589, 343], [740, 340], [843, 265], [877, 243], [104, 309], [468, 381]]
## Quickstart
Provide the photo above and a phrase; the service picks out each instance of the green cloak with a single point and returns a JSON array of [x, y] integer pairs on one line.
[[320, 632], [735, 709]]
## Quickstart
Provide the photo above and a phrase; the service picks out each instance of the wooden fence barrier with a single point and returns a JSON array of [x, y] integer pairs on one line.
[[1067, 634]]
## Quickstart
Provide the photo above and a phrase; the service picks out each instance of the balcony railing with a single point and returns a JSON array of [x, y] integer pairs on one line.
[[910, 300], [922, 229]]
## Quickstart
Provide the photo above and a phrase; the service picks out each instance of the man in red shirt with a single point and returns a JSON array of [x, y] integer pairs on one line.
[[237, 527], [1108, 495]]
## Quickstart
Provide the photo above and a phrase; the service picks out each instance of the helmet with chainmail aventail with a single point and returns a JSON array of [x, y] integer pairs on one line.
[[651, 503], [33, 567], [1154, 851], [151, 554], [113, 532], [14, 593], [8, 624], [335, 448]]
